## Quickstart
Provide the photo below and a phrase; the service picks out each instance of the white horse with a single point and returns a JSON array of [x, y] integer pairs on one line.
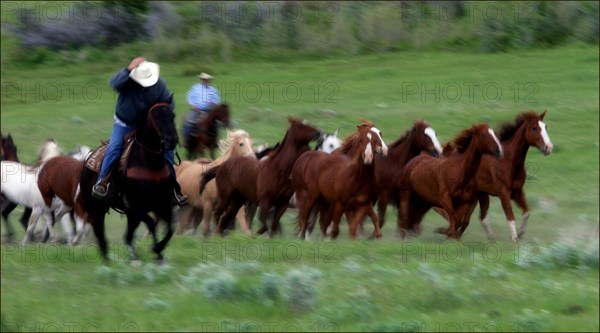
[[19, 185]]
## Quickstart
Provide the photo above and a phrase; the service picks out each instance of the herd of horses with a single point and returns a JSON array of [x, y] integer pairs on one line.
[[335, 178]]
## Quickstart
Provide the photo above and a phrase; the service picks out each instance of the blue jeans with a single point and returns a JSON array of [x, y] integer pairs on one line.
[[115, 147], [190, 120]]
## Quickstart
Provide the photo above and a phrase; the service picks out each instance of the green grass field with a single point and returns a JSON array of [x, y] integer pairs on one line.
[[547, 282]]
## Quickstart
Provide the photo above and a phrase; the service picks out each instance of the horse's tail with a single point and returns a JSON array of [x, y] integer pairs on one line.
[[207, 176]]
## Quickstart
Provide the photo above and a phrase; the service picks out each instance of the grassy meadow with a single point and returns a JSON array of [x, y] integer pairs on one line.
[[548, 282]]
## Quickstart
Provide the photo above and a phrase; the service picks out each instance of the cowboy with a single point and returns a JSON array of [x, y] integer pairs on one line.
[[201, 98], [139, 87]]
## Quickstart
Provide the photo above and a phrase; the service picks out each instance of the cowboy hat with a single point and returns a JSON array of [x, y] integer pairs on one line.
[[146, 74], [205, 76]]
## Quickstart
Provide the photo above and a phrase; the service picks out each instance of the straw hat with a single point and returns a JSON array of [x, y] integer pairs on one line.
[[205, 76], [146, 74]]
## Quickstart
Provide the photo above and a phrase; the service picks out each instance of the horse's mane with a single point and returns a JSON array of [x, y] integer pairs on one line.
[[461, 142], [406, 134], [508, 129], [226, 145], [350, 140]]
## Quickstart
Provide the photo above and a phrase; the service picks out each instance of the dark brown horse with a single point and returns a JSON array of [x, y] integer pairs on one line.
[[143, 186], [448, 183], [339, 183], [421, 137], [9, 153], [265, 182], [204, 134], [505, 177]]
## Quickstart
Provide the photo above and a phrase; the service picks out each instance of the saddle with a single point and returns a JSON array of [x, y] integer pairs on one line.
[[94, 161]]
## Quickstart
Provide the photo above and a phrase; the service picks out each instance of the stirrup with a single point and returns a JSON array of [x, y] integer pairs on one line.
[[99, 191], [180, 199]]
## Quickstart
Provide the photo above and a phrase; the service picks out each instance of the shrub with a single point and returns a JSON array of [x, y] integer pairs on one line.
[[300, 289]]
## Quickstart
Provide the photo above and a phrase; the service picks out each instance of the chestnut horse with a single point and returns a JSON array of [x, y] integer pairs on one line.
[[448, 183], [204, 134], [505, 177], [143, 186], [265, 182], [339, 183], [238, 143], [421, 137]]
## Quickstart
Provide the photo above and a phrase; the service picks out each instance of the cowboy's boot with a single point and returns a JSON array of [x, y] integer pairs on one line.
[[100, 190], [179, 198]]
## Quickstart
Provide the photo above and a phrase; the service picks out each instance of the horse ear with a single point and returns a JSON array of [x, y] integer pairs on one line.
[[337, 131], [170, 99], [541, 117]]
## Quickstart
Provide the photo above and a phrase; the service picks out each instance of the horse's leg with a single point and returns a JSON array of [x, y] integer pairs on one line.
[[98, 227], [465, 216], [35, 215], [382, 203], [10, 206], [484, 205], [250, 212], [336, 216], [158, 248], [81, 229], [402, 220], [133, 221], [377, 227], [234, 207], [265, 206], [25, 217], [519, 197], [241, 218], [510, 216], [280, 209], [206, 216]]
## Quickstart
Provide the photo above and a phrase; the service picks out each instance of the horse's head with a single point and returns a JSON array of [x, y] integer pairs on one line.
[[161, 121], [425, 139], [238, 143], [302, 132], [536, 132], [329, 142], [9, 150], [370, 141], [222, 114], [482, 137]]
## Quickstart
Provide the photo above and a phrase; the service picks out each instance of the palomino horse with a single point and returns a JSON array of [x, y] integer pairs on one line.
[[448, 183], [143, 186], [204, 134], [421, 137], [8, 152], [339, 183], [238, 143], [265, 182], [505, 177]]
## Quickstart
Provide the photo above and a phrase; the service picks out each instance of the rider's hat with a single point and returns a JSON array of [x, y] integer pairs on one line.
[[205, 76], [146, 74]]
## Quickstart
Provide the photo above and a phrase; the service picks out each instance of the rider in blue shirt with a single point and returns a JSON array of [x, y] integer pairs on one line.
[[139, 87], [201, 98]]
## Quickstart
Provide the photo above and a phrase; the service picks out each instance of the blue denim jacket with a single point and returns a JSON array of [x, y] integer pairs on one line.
[[134, 100]]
